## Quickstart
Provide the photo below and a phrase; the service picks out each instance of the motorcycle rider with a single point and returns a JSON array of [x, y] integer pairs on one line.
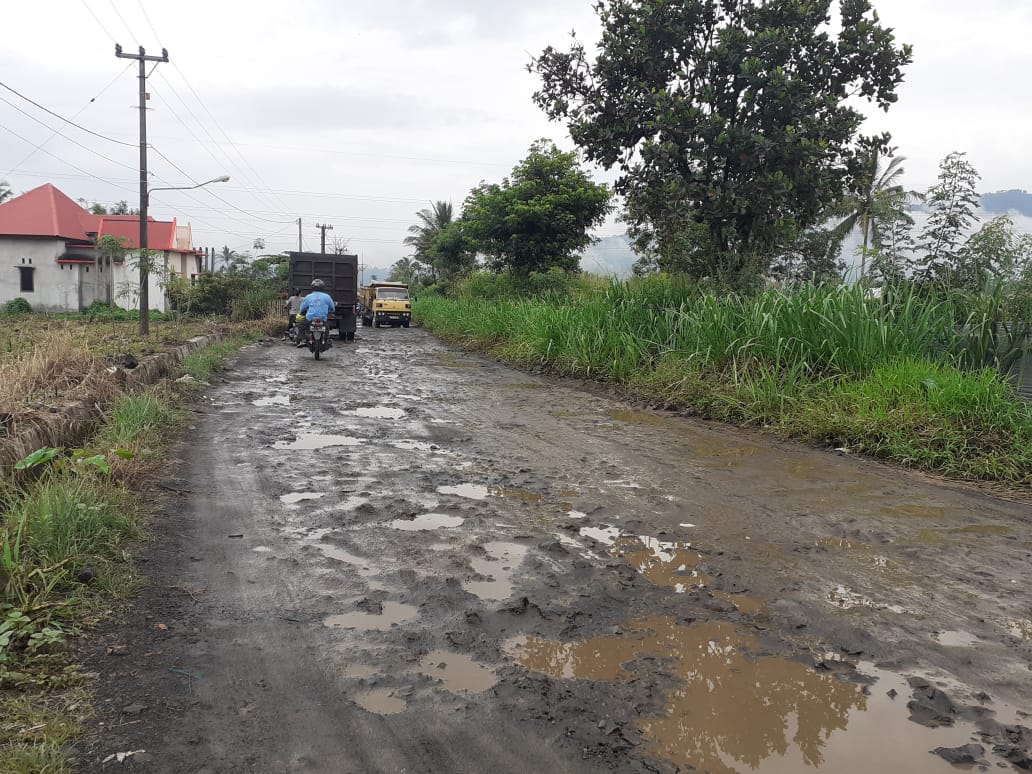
[[317, 305], [293, 306]]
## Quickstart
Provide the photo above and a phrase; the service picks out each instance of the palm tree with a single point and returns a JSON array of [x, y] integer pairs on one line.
[[229, 259], [5, 191], [423, 234], [877, 197]]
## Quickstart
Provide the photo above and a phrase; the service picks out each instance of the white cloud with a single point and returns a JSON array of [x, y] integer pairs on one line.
[[359, 113]]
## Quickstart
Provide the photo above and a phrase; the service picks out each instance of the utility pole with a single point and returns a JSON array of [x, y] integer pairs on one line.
[[322, 241], [300, 249], [142, 58]]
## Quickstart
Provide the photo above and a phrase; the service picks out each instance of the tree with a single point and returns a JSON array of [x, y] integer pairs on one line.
[[5, 191], [452, 252], [814, 255], [733, 115], [422, 235], [993, 253], [122, 208], [539, 217], [952, 203], [404, 270], [875, 196], [231, 260]]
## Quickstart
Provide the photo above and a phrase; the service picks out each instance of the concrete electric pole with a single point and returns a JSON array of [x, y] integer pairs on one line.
[[142, 58], [322, 241]]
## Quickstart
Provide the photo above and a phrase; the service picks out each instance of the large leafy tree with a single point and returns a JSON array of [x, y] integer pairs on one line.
[[539, 217], [423, 234], [734, 114]]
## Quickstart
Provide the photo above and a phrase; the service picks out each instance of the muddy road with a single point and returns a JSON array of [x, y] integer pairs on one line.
[[404, 558]]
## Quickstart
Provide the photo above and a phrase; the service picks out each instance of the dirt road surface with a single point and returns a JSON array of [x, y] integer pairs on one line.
[[404, 558]]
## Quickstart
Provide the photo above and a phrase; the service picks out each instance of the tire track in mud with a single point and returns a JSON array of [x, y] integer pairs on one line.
[[405, 558]]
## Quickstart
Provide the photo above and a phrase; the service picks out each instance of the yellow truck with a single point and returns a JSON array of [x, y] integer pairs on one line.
[[385, 303]]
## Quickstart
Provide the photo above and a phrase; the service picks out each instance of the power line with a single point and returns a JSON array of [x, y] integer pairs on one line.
[[136, 40], [67, 163], [204, 128], [67, 120], [69, 139], [145, 16], [224, 201], [224, 134], [99, 22], [56, 132]]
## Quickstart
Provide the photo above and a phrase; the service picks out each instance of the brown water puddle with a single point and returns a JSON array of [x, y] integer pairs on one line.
[[915, 511], [428, 521], [380, 701], [380, 412], [393, 613], [310, 441], [458, 673], [736, 709], [502, 561], [956, 638], [746, 605], [662, 563], [359, 671]]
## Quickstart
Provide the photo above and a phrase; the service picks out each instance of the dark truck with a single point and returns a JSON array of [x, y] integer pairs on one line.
[[339, 274]]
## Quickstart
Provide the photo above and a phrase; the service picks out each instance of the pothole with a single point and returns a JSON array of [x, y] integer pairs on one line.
[[458, 673], [392, 614], [427, 521], [502, 561], [309, 441]]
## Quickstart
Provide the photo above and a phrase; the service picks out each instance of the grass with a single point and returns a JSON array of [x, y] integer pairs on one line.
[[68, 526], [900, 377]]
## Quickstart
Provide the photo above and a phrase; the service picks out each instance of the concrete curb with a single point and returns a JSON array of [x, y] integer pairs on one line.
[[69, 424]]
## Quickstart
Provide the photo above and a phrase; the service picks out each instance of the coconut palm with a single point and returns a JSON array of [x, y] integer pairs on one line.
[[423, 234], [877, 197], [5, 191]]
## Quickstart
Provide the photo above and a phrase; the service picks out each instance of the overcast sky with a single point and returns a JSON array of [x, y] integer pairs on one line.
[[357, 113]]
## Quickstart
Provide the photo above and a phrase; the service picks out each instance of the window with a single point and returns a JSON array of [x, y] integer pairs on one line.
[[28, 284]]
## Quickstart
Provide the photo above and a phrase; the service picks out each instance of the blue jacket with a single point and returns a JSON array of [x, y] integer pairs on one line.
[[317, 306]]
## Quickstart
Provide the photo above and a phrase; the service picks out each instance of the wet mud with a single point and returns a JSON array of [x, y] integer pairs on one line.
[[450, 566]]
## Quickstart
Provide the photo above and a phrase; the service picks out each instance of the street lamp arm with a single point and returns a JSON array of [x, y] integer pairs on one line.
[[220, 179]]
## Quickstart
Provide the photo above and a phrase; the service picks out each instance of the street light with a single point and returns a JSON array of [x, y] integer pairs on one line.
[[144, 259]]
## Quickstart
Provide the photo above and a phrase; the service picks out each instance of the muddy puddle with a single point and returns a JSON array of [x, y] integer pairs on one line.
[[310, 441], [296, 497], [956, 639], [273, 400], [482, 492], [427, 521], [380, 412], [502, 560], [392, 613], [846, 598], [380, 701], [457, 672], [737, 709]]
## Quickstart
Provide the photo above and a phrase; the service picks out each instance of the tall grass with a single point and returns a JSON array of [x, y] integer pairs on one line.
[[848, 362]]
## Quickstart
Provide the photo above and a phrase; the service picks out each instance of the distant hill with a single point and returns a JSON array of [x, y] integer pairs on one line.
[[1002, 202]]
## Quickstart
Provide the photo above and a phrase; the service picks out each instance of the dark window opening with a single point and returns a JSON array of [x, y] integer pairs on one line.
[[28, 284]]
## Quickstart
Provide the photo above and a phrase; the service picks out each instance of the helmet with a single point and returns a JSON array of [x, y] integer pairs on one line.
[[318, 283]]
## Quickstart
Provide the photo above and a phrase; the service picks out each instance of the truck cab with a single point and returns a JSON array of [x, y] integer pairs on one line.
[[386, 303]]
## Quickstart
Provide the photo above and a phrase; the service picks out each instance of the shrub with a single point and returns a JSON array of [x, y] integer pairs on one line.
[[16, 306]]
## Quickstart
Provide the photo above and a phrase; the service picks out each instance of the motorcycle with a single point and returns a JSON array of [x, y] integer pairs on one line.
[[317, 337]]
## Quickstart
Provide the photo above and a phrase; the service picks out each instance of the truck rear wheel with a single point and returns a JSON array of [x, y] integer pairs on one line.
[[404, 325]]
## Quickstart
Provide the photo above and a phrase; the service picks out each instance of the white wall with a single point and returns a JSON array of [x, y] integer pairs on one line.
[[56, 287], [126, 283]]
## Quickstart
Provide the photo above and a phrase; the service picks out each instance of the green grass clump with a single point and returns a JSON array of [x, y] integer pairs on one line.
[[204, 363], [899, 376]]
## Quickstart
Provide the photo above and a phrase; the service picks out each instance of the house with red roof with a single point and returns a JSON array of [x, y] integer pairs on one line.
[[49, 254]]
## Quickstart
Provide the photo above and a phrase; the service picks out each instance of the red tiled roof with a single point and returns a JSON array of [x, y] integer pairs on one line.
[[46, 212], [161, 234]]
